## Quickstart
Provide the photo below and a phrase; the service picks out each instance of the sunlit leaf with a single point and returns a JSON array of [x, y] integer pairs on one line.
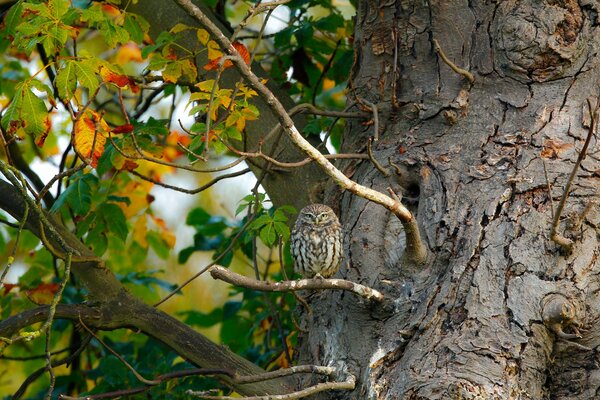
[[89, 135]]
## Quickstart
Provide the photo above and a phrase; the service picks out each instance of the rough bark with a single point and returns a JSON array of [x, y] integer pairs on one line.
[[494, 314]]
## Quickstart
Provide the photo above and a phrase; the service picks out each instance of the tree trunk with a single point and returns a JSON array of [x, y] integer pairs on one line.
[[495, 312]]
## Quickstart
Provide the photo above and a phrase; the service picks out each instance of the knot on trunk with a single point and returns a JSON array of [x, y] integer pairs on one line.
[[539, 40], [561, 316]]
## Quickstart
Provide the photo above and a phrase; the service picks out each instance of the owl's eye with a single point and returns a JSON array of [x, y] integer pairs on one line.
[[323, 217]]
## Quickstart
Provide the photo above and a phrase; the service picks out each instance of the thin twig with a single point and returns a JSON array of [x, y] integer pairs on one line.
[[244, 379], [549, 188], [192, 191], [47, 327], [455, 68], [375, 112], [218, 272], [114, 353], [386, 172], [566, 243], [203, 270]]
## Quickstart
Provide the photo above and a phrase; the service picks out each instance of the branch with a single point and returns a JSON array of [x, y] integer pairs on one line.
[[566, 243], [313, 369], [454, 67], [218, 272], [348, 384], [117, 308], [397, 208]]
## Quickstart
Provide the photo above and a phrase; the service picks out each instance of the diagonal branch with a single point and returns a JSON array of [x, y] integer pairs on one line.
[[417, 255]]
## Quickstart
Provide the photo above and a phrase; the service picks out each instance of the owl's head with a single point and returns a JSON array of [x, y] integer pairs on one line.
[[317, 214]]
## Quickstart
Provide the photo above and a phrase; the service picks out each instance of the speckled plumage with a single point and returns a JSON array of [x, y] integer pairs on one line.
[[316, 242]]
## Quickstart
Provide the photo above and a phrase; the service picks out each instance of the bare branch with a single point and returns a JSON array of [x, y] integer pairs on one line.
[[454, 67], [397, 208], [218, 272], [376, 163], [192, 191], [566, 243], [348, 384]]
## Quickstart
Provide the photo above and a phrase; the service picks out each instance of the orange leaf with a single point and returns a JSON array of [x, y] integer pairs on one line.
[[43, 293], [171, 150], [111, 10], [128, 52], [122, 81], [214, 63], [89, 136]]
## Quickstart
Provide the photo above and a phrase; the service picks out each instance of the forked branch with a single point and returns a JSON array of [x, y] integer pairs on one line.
[[396, 207]]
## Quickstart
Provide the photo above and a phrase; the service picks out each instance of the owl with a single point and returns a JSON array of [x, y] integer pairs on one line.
[[317, 242]]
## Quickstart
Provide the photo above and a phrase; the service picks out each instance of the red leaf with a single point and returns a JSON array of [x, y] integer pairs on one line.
[[127, 128], [8, 287]]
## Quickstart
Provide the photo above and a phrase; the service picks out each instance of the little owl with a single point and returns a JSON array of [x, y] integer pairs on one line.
[[317, 242]]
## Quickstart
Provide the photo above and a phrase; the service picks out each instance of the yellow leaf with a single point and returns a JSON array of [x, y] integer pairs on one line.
[[180, 28], [245, 91], [90, 131], [140, 229], [214, 51], [138, 193], [203, 36], [206, 86]]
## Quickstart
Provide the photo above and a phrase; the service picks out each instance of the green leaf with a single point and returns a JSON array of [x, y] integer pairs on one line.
[[115, 219], [153, 127], [13, 18], [86, 74], [160, 247], [79, 194], [203, 320], [27, 111], [136, 26], [66, 80], [268, 235]]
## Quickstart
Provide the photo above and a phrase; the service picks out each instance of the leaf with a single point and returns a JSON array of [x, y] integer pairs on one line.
[[115, 219], [78, 194], [203, 36], [215, 56], [179, 27], [120, 80], [136, 26], [90, 131], [27, 112], [86, 74], [160, 247], [66, 80], [43, 293]]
